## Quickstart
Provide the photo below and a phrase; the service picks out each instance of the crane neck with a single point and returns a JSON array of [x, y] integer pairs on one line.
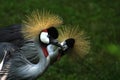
[[44, 61]]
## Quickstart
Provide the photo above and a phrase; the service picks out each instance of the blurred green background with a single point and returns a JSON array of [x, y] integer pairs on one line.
[[101, 21]]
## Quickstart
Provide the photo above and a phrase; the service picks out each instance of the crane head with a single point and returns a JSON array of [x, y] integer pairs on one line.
[[38, 21], [48, 36], [73, 34]]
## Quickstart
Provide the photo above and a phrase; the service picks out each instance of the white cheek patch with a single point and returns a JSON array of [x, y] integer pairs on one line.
[[64, 45], [44, 37]]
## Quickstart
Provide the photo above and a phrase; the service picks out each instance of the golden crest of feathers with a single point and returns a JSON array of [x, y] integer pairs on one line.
[[81, 46], [38, 21]]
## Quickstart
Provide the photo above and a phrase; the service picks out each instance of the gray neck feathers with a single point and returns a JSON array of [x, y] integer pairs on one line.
[[22, 66]]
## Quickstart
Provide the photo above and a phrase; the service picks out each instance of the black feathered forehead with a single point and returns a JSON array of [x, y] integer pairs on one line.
[[70, 42], [52, 31]]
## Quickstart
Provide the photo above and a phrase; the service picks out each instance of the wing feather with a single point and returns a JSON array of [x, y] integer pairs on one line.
[[12, 34]]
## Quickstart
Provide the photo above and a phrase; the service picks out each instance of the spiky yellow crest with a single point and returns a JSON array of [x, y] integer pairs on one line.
[[81, 46], [38, 21]]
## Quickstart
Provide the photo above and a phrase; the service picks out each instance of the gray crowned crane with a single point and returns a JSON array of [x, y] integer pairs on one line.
[[27, 50]]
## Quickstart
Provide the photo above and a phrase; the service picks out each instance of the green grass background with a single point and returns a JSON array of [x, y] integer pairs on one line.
[[101, 21]]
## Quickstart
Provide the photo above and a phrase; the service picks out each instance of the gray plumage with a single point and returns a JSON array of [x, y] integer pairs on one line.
[[24, 59], [20, 65]]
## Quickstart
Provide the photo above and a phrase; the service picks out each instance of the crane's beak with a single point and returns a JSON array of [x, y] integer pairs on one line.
[[55, 42]]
